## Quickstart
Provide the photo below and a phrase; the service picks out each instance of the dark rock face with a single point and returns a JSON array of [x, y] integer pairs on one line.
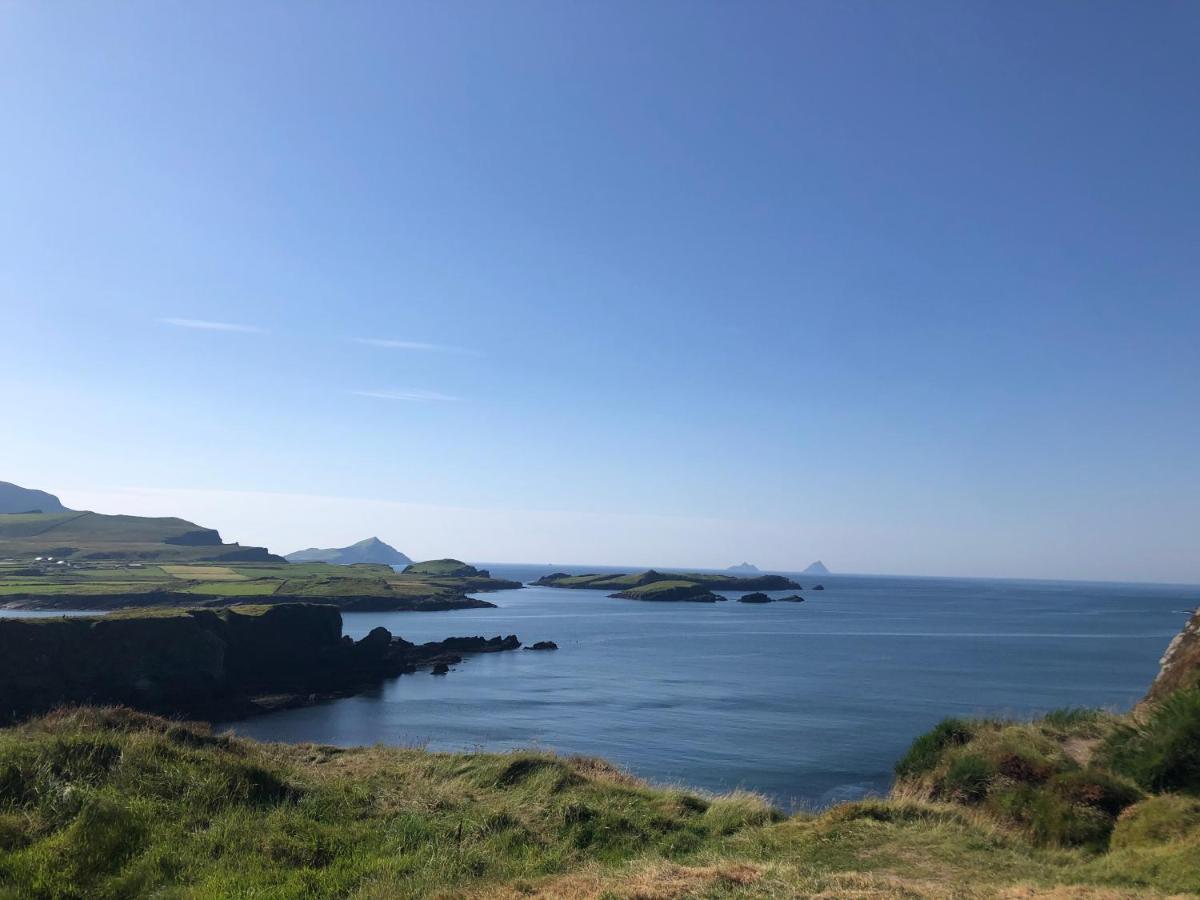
[[203, 663], [203, 537], [440, 669], [543, 645], [757, 597], [818, 587], [795, 598]]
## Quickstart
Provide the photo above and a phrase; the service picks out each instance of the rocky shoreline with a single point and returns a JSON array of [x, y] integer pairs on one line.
[[214, 665]]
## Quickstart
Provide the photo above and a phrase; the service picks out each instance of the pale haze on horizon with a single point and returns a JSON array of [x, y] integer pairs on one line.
[[909, 288]]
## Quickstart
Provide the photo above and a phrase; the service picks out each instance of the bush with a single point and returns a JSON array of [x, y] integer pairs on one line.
[[1055, 821], [1156, 821], [967, 778], [926, 751], [1164, 753], [1100, 790]]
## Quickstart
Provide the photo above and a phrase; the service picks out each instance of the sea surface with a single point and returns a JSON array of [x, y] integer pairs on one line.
[[809, 703]]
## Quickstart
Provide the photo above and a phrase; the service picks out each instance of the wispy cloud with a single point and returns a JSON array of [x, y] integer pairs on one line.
[[211, 326], [415, 345], [412, 396]]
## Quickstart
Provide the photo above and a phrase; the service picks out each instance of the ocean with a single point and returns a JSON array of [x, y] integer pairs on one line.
[[808, 703]]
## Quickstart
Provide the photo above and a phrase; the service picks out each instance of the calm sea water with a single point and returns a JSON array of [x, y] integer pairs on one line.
[[808, 703]]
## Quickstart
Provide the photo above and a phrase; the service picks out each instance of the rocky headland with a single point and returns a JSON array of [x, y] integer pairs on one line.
[[206, 664]]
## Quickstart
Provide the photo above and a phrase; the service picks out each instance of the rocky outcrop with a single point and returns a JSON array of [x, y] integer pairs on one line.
[[1179, 667], [817, 568], [794, 598], [756, 597], [202, 663], [543, 645], [818, 587]]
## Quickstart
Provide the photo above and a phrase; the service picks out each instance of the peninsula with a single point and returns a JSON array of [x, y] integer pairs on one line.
[[100, 585], [76, 560]]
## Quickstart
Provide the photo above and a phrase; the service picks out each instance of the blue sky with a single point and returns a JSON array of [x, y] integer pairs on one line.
[[908, 287]]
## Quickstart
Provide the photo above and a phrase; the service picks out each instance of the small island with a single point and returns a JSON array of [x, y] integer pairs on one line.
[[760, 597]]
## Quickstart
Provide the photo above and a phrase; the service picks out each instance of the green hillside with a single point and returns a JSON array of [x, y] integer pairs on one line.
[[93, 536]]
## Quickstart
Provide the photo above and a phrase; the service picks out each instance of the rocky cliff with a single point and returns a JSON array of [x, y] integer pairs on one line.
[[1180, 664], [211, 664]]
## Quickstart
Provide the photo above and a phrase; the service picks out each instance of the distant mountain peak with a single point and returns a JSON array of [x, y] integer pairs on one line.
[[368, 550], [743, 567], [817, 568]]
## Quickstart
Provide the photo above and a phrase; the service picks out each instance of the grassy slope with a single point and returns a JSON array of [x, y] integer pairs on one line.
[[658, 587], [115, 804]]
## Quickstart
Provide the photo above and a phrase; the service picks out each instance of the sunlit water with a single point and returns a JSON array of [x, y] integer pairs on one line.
[[809, 703]]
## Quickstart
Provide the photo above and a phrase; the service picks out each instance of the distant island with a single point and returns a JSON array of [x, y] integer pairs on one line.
[[743, 567], [691, 587], [371, 550], [817, 568]]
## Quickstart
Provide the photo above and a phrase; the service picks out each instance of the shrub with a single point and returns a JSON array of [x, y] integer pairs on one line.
[[1098, 789], [1055, 821], [1163, 754], [926, 751], [967, 778], [1156, 820]]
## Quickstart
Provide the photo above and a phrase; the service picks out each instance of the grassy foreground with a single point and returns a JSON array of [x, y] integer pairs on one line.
[[106, 803]]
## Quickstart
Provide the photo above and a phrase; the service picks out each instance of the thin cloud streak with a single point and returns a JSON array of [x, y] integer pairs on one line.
[[415, 345], [411, 396], [211, 326]]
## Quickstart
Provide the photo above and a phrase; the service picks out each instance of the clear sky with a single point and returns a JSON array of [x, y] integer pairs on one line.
[[908, 287]]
